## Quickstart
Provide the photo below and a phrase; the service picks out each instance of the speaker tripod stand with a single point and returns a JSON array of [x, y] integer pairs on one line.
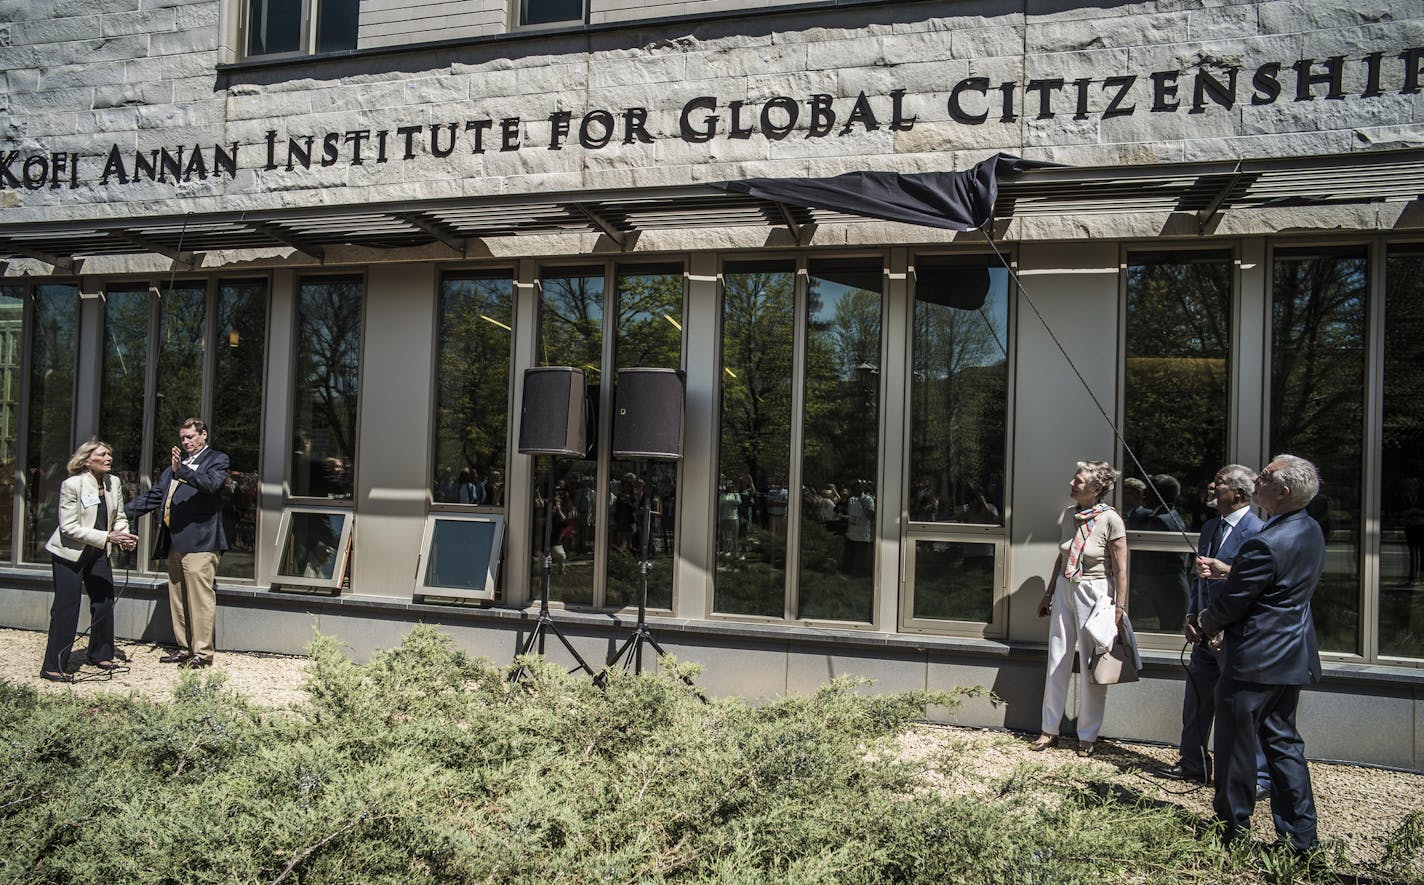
[[545, 623], [630, 653]]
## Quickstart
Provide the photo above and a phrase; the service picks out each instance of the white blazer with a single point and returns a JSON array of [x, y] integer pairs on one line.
[[78, 508]]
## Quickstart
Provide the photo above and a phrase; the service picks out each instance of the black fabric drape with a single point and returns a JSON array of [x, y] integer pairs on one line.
[[953, 200]]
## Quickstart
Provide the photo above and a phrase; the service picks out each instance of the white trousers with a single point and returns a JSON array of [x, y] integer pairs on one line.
[[1065, 636]]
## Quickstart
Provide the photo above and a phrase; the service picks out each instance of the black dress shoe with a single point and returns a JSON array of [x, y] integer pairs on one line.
[[104, 665], [1178, 773], [56, 677], [1263, 792], [176, 657], [195, 663]]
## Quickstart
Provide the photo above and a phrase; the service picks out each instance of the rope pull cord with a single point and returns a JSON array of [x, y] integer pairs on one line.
[[1117, 434]]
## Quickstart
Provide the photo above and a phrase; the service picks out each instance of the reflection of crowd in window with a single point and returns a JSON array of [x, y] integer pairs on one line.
[[976, 503], [470, 486]]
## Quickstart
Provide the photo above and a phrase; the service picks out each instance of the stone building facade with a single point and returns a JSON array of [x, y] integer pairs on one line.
[[342, 237]]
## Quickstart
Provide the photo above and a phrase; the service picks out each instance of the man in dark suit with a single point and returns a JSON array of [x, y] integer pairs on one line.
[[190, 536], [1268, 654], [1221, 538]]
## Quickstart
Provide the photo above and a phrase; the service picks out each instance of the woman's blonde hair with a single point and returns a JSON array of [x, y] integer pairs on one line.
[[80, 459], [1100, 474]]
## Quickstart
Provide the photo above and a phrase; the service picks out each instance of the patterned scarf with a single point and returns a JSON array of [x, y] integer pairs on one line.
[[1073, 569]]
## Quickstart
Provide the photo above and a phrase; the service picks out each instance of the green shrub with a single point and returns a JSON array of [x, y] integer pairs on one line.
[[426, 765]]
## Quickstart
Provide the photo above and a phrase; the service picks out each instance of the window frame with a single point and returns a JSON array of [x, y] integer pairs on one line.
[[516, 18], [307, 36], [949, 532], [421, 590], [290, 393], [1146, 541], [341, 552]]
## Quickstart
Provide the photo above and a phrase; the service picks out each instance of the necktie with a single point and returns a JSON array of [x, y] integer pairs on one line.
[[1216, 538]]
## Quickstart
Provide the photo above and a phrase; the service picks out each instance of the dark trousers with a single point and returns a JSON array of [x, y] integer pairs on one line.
[[92, 575], [1199, 711], [1248, 710]]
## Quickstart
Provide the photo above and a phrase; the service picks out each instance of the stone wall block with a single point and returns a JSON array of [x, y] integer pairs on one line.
[[37, 32], [746, 61], [1147, 125], [436, 90], [1295, 16], [1199, 149], [172, 67], [22, 80], [196, 15], [72, 76], [987, 42], [183, 42], [61, 8], [1409, 137], [633, 72], [947, 135], [269, 108], [1221, 22], [125, 94], [862, 53], [371, 96], [149, 21], [110, 120], [44, 126], [49, 100], [1145, 28]]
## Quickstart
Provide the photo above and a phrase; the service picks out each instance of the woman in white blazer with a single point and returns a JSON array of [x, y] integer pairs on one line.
[[91, 517]]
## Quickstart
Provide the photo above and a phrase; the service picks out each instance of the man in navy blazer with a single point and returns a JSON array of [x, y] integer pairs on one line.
[[190, 537], [1221, 538], [1269, 653]]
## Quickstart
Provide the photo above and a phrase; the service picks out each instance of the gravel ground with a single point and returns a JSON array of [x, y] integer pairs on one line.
[[1357, 805]]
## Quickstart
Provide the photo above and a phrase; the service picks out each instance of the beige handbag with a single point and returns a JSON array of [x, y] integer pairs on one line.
[[1114, 667]]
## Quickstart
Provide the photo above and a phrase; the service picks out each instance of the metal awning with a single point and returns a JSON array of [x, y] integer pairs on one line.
[[1204, 189]]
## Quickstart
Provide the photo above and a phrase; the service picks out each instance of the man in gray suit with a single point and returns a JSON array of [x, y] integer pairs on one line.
[[1269, 653]]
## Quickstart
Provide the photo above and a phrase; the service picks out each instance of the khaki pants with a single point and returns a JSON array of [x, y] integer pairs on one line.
[[192, 601]]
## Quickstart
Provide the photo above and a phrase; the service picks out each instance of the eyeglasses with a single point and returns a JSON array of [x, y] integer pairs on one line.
[[1267, 479]]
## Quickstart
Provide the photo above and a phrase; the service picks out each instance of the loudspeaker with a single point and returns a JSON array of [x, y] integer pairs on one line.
[[551, 421], [647, 419]]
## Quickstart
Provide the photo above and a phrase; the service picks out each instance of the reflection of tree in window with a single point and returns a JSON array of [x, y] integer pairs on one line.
[[1401, 586], [122, 403], [181, 317], [836, 578], [959, 392], [1318, 308], [240, 352], [1176, 400], [472, 390], [758, 315], [12, 312], [328, 364], [570, 334], [648, 299], [53, 345]]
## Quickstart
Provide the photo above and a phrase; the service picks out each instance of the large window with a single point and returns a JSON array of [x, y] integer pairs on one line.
[[182, 334], [54, 341], [176, 330], [472, 389], [958, 441], [648, 327], [570, 334], [239, 355], [1318, 310], [1401, 493], [1176, 403], [326, 386], [291, 27], [12, 316], [840, 452], [758, 325]]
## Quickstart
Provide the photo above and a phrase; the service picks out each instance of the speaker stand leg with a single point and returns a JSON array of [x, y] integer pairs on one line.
[[545, 623]]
